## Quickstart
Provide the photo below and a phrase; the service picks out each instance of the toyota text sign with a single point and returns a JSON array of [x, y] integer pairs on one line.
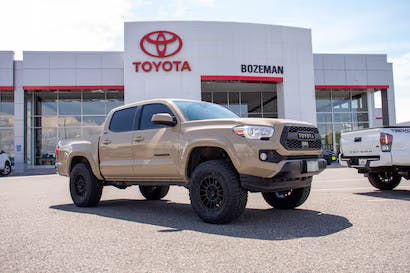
[[161, 45]]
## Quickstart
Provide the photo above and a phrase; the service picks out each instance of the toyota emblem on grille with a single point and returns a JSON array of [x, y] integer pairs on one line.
[[161, 44], [306, 136]]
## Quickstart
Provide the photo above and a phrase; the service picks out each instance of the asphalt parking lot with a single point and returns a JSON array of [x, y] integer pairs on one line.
[[345, 226]]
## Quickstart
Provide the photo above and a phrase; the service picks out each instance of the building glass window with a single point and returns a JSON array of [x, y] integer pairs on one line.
[[7, 122], [244, 99], [57, 115], [326, 134], [341, 101], [323, 101], [340, 110]]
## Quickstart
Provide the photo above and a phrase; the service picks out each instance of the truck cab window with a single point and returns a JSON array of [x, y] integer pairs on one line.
[[123, 120], [148, 111]]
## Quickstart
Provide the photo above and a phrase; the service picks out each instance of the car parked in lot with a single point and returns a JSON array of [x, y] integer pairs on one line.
[[381, 154], [329, 156], [202, 146], [5, 163]]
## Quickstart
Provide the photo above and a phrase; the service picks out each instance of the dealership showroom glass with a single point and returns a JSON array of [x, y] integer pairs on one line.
[[255, 70]]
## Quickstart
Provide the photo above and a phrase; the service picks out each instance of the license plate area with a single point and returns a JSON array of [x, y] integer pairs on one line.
[[362, 161], [312, 166]]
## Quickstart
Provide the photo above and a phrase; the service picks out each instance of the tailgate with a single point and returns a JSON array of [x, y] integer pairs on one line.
[[361, 143]]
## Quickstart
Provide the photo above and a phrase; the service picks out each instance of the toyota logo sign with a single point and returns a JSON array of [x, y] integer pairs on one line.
[[161, 44]]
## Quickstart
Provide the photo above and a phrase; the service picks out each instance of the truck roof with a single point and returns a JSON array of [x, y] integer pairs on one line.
[[169, 100]]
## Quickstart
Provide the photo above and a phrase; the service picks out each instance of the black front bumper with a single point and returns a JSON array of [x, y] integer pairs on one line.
[[293, 175]]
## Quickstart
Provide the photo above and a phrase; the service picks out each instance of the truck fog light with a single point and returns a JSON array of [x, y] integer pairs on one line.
[[263, 156]]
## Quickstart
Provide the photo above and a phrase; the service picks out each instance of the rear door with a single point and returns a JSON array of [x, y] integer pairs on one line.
[[116, 145], [156, 146]]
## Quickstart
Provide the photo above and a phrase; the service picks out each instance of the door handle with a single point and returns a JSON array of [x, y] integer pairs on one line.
[[138, 138], [106, 142]]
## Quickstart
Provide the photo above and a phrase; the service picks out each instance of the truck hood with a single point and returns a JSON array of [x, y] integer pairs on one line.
[[249, 121]]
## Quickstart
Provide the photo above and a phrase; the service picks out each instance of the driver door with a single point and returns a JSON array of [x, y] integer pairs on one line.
[[156, 146]]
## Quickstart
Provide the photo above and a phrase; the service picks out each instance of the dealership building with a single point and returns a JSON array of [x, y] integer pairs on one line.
[[253, 69]]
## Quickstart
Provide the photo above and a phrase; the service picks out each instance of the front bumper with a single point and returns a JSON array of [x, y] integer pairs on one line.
[[292, 175], [60, 168]]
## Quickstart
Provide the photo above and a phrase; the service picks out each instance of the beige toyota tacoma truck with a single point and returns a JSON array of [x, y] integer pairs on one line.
[[202, 146]]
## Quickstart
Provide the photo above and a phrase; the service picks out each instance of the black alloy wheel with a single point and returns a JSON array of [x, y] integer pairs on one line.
[[387, 180], [211, 193], [154, 192], [288, 199], [215, 192], [80, 185], [85, 188]]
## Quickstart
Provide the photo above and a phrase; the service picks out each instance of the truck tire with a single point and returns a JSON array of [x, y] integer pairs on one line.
[[215, 192], [85, 188], [385, 180], [7, 169], [154, 192], [289, 199]]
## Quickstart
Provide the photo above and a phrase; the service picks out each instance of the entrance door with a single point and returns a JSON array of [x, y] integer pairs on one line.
[[156, 146], [116, 145], [250, 99]]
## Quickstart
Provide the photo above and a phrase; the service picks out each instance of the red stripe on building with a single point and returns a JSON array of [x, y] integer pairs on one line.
[[6, 88], [243, 79], [376, 87], [73, 88]]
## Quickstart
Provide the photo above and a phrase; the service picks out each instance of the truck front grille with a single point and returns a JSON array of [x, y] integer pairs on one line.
[[300, 138]]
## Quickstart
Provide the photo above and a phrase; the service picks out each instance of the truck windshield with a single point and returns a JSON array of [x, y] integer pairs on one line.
[[193, 110]]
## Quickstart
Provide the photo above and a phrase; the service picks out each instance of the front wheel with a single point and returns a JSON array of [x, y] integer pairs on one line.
[[85, 188], [154, 192], [7, 169], [385, 180], [288, 199], [215, 192]]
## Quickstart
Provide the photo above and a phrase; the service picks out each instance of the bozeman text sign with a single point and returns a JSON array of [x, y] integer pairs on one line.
[[261, 69]]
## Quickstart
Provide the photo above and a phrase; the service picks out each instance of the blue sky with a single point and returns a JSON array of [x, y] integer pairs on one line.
[[337, 26]]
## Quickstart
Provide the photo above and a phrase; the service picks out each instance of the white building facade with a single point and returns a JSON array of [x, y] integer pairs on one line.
[[254, 70]]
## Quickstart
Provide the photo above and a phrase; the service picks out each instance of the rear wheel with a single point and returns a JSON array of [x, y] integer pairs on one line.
[[385, 180], [215, 192], [85, 188], [7, 169], [288, 199], [154, 192]]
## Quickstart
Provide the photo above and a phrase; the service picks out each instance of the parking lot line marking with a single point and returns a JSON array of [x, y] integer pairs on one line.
[[341, 180], [356, 188], [343, 189], [388, 199]]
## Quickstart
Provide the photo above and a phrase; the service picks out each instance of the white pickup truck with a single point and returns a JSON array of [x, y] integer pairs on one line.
[[381, 154]]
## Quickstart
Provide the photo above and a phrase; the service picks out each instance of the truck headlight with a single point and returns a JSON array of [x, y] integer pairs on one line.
[[254, 132]]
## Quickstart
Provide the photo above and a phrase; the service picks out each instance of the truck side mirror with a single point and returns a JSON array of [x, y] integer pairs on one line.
[[163, 119]]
